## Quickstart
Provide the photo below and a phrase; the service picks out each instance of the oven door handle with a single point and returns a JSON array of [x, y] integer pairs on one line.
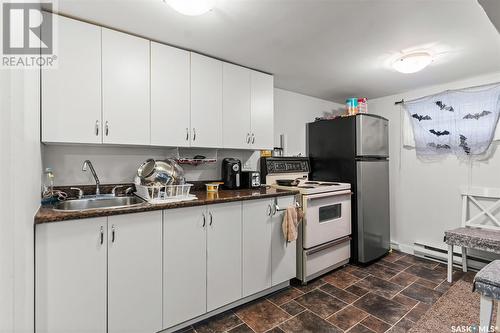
[[326, 195], [327, 245]]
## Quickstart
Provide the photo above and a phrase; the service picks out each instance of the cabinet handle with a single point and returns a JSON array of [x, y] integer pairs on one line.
[[253, 138], [97, 128], [102, 235], [275, 209], [107, 128], [248, 137], [194, 134], [204, 220], [113, 234], [187, 134], [211, 218], [269, 210]]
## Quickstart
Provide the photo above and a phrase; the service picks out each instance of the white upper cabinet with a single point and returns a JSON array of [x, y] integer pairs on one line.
[[236, 106], [71, 93], [206, 102], [170, 97], [134, 272], [262, 109], [115, 88], [125, 88]]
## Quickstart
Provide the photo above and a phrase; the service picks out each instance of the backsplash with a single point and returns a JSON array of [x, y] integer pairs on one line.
[[119, 164]]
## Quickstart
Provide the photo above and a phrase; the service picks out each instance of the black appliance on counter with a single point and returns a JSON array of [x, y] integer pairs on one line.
[[356, 150], [231, 173], [250, 179]]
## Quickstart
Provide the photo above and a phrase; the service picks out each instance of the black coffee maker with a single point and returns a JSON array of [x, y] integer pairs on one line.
[[231, 173]]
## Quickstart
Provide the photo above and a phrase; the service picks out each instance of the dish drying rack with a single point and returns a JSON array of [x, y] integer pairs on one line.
[[161, 194]]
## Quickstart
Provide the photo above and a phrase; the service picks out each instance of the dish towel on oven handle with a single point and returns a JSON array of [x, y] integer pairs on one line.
[[290, 225]]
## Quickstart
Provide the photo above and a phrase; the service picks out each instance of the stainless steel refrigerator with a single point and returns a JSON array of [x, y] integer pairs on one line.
[[355, 150]]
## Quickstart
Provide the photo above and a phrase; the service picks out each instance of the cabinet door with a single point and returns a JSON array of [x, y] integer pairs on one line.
[[125, 88], [170, 77], [236, 107], [184, 265], [70, 276], [134, 273], [283, 253], [257, 228], [262, 110], [223, 254], [71, 93], [206, 102]]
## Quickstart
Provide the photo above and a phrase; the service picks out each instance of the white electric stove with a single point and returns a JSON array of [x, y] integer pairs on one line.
[[306, 186], [324, 235]]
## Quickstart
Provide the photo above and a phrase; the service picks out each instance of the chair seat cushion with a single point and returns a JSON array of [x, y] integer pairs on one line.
[[475, 238], [487, 280]]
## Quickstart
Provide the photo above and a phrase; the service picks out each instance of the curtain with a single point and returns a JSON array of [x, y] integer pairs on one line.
[[461, 122]]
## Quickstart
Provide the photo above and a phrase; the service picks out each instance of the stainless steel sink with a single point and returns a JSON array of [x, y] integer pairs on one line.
[[98, 202]]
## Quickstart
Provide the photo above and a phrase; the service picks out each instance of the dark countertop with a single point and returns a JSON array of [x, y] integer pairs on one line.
[[46, 214]]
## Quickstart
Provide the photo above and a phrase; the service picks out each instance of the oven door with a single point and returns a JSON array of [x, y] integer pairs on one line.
[[327, 216]]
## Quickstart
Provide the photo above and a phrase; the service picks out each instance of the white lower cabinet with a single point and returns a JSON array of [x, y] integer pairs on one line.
[[83, 271], [257, 227], [70, 276], [134, 273], [202, 260], [223, 254], [283, 253], [149, 271], [184, 264]]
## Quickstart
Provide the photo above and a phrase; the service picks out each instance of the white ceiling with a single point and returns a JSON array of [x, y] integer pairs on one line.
[[330, 49]]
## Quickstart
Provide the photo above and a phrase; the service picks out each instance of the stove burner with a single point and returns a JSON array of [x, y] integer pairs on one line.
[[305, 186], [329, 184], [311, 183]]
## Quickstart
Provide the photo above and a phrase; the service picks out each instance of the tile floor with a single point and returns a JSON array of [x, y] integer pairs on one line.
[[387, 296]]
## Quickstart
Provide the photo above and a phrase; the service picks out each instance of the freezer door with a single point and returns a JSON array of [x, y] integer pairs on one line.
[[372, 136], [373, 222]]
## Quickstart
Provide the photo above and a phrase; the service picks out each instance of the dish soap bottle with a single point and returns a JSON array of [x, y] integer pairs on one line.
[[48, 185]]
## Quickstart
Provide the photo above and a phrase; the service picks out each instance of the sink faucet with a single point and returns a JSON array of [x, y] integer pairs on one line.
[[86, 164]]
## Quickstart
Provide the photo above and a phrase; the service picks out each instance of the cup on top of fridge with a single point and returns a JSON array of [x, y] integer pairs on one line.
[[356, 105]]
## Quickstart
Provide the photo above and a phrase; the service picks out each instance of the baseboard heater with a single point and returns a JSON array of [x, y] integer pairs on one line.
[[474, 262]]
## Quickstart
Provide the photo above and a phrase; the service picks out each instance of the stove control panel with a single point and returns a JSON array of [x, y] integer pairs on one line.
[[274, 165]]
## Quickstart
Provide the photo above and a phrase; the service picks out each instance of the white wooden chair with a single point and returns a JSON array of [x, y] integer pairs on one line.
[[485, 237], [480, 236]]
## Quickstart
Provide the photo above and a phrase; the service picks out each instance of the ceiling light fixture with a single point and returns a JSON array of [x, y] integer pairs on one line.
[[412, 63], [191, 7]]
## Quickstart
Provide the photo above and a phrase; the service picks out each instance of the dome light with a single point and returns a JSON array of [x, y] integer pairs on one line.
[[191, 7], [412, 63]]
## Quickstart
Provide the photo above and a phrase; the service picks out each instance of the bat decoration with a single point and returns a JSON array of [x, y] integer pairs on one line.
[[443, 106], [477, 115], [438, 146], [439, 133], [420, 117], [463, 144]]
